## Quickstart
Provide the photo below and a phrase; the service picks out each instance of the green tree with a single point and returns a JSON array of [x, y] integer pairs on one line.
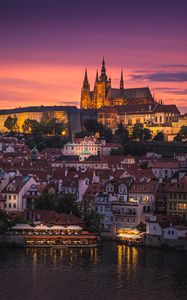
[[46, 202], [36, 127], [67, 204], [140, 133], [123, 133], [93, 222], [59, 128], [27, 126], [182, 134], [146, 134], [105, 133], [11, 123], [92, 126], [159, 137]]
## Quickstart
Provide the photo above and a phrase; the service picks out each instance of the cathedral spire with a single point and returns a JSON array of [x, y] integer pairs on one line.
[[85, 82], [121, 81], [97, 76], [103, 76]]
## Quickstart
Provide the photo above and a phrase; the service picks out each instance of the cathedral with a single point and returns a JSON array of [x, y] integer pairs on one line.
[[104, 95]]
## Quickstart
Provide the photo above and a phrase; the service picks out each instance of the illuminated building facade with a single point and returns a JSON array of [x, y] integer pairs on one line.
[[69, 115], [104, 95]]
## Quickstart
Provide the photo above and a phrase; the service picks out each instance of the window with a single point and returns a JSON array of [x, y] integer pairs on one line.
[[168, 231], [9, 205], [172, 232], [14, 205], [9, 197]]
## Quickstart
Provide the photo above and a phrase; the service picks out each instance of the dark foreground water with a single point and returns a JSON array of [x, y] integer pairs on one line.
[[112, 272]]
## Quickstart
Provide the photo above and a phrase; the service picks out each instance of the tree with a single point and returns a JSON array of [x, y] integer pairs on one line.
[[67, 204], [93, 221], [59, 128], [11, 123], [105, 133], [28, 126], [92, 126], [123, 133], [182, 134], [46, 202], [140, 133], [159, 137], [36, 127], [137, 132], [146, 134]]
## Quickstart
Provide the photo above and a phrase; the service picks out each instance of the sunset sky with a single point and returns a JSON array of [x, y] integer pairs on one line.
[[45, 46]]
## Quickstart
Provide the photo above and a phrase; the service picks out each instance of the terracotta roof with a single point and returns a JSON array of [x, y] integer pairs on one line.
[[166, 164], [144, 187], [16, 184], [179, 187]]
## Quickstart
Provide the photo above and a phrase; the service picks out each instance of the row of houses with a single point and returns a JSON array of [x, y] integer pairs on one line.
[[123, 192]]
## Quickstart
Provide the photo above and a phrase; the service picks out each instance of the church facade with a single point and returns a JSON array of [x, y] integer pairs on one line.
[[104, 95]]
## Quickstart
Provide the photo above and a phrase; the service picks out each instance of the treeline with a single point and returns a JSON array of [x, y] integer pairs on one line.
[[138, 132]]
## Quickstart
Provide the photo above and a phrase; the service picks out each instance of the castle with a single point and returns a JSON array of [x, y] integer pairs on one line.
[[104, 95]]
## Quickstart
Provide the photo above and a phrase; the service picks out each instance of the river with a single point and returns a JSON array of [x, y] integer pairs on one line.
[[111, 272]]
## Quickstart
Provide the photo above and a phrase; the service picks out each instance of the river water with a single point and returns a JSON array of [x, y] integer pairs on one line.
[[111, 272]]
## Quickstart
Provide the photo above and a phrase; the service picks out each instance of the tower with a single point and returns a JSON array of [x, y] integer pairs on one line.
[[85, 93], [103, 76], [121, 81]]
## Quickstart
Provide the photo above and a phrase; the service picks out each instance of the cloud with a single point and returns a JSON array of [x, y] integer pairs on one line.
[[161, 77], [177, 92], [174, 66], [164, 89]]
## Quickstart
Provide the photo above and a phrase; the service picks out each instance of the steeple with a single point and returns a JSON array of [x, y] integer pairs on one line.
[[121, 81], [103, 76], [85, 82], [96, 77]]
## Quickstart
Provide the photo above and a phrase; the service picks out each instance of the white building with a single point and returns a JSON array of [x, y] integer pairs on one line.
[[14, 192], [83, 147]]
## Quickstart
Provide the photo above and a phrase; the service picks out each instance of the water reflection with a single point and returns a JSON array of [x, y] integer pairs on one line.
[[113, 271], [62, 255], [127, 260]]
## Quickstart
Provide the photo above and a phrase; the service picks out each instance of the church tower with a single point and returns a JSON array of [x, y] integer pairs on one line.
[[85, 93], [101, 86], [121, 81]]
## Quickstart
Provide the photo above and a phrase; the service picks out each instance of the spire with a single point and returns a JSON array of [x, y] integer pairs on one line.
[[121, 81], [97, 76], [85, 82], [103, 76], [109, 81]]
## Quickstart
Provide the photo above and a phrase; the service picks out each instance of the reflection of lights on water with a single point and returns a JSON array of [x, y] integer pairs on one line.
[[127, 258], [62, 255]]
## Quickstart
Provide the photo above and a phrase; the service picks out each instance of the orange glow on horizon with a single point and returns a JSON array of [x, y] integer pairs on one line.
[[34, 84]]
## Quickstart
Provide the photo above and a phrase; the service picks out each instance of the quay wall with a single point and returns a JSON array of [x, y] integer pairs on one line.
[[160, 242]]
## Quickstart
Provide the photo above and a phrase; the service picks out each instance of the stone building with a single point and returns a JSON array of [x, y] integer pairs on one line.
[[104, 95]]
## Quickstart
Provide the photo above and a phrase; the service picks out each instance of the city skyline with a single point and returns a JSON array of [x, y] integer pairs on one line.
[[46, 46]]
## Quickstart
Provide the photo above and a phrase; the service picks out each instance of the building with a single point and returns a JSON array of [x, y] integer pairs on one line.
[[104, 95], [177, 198], [14, 192], [83, 147], [69, 115]]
